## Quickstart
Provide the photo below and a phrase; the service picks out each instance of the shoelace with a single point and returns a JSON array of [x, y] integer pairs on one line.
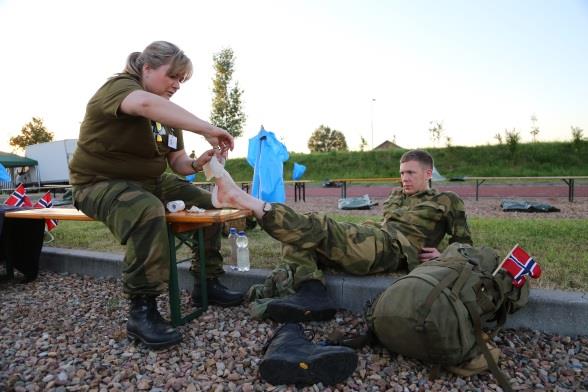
[[307, 334]]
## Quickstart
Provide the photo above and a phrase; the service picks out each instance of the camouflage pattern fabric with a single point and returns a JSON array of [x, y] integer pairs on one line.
[[313, 239], [280, 283], [425, 218], [410, 223], [134, 212]]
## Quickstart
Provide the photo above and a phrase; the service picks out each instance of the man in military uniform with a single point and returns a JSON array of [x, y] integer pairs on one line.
[[416, 219]]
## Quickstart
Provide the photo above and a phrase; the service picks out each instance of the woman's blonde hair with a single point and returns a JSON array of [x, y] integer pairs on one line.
[[159, 53]]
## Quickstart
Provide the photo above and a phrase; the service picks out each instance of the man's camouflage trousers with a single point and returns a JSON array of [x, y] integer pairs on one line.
[[309, 240], [134, 212]]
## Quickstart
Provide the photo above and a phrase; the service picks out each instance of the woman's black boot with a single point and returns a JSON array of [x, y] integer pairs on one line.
[[146, 324]]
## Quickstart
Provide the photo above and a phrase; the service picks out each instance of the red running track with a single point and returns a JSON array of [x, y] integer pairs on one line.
[[463, 190]]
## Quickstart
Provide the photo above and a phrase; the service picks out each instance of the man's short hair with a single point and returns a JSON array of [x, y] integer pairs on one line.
[[423, 157]]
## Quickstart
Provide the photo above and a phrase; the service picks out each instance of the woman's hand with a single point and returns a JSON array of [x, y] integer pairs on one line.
[[220, 138]]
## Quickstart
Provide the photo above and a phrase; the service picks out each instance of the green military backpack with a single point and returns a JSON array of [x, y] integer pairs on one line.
[[436, 312]]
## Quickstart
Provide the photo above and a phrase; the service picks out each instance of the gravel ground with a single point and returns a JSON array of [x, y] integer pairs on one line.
[[67, 333]]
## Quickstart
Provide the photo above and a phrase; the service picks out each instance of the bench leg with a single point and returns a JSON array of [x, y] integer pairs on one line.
[[175, 302]]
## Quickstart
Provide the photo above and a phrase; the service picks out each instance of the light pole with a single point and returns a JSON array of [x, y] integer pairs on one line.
[[372, 120]]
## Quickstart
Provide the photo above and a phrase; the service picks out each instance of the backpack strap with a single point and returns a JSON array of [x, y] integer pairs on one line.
[[432, 336], [425, 309], [498, 374]]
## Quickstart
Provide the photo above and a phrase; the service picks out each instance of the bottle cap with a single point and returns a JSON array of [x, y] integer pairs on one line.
[[233, 230], [241, 233]]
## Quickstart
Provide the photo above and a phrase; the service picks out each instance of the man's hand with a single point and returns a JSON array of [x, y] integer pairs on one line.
[[428, 254]]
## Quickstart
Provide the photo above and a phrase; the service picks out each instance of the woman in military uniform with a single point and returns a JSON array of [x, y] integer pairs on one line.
[[130, 134]]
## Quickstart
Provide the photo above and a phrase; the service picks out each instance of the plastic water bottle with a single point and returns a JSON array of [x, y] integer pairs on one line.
[[242, 252], [233, 243]]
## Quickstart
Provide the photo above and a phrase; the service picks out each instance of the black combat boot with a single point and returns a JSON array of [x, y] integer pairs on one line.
[[309, 303], [218, 294], [291, 359], [146, 324]]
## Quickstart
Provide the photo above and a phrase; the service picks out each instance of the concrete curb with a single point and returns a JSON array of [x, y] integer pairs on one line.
[[552, 311]]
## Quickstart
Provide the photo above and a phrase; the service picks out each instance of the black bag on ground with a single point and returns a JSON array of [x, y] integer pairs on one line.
[[21, 241]]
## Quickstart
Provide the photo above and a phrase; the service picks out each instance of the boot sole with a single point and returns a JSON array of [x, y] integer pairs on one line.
[[290, 314], [153, 345], [329, 369]]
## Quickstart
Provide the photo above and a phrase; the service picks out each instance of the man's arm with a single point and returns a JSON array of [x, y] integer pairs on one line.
[[457, 225]]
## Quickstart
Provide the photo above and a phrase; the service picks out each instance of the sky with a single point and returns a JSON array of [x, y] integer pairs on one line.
[[378, 70]]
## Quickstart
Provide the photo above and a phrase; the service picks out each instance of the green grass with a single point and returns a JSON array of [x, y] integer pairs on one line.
[[558, 245], [530, 159]]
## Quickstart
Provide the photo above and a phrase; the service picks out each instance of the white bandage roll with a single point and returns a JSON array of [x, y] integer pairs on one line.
[[175, 206]]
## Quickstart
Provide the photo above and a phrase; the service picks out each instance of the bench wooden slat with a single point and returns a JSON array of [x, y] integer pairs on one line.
[[209, 216]]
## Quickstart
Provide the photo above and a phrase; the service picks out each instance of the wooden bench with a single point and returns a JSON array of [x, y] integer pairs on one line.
[[180, 225], [344, 182], [569, 180], [299, 189]]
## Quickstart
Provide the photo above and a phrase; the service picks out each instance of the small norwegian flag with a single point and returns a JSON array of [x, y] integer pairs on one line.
[[19, 198], [519, 264], [47, 202]]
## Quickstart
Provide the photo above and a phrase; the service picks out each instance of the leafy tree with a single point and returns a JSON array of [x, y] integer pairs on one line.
[[577, 136], [513, 139], [436, 130], [226, 102], [325, 139], [33, 132]]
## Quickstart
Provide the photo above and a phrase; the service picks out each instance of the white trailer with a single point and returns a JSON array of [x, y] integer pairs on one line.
[[53, 158]]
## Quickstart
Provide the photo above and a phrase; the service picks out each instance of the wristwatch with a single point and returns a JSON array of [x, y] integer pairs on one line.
[[267, 207]]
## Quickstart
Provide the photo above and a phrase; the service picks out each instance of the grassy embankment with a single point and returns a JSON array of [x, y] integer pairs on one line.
[[560, 246], [532, 159]]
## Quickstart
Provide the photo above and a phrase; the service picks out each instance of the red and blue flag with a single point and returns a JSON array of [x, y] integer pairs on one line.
[[47, 202], [519, 264], [19, 198]]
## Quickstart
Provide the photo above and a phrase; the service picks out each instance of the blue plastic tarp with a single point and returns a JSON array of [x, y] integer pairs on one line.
[[4, 174], [298, 171], [267, 155]]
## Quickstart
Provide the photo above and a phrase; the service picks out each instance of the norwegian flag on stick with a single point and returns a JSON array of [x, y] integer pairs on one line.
[[19, 198], [47, 202], [519, 265]]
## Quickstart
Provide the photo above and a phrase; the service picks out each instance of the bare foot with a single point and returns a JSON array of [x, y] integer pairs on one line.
[[226, 194]]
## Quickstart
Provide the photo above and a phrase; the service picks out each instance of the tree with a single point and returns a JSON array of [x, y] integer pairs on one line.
[[226, 101], [325, 139], [577, 136], [513, 139], [534, 128], [436, 130], [362, 144], [33, 132]]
